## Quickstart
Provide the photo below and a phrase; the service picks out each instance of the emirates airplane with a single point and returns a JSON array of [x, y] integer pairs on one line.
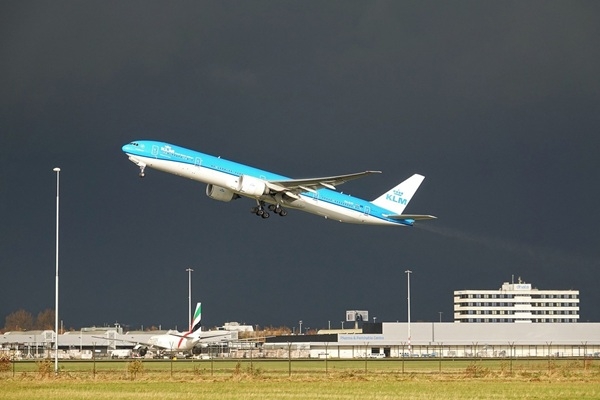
[[174, 341], [228, 180]]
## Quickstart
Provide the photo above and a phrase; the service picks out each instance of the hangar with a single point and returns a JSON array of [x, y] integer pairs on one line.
[[446, 339]]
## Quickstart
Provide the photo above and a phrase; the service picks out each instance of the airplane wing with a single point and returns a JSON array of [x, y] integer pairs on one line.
[[127, 341], [292, 187], [203, 336]]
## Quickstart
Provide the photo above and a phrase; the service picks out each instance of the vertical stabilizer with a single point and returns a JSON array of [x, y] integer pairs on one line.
[[397, 198], [196, 318]]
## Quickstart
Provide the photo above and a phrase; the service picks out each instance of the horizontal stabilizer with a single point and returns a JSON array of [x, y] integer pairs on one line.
[[414, 217]]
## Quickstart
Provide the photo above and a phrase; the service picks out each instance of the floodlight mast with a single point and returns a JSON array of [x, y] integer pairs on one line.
[[408, 272], [57, 170], [189, 271]]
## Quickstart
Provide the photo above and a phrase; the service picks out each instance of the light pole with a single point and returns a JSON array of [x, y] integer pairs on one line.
[[57, 170], [189, 271], [408, 272], [300, 330], [440, 312]]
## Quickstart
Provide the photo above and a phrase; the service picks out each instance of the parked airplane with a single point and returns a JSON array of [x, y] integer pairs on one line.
[[175, 342], [228, 180]]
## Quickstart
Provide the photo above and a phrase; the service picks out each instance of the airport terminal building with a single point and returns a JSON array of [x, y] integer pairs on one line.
[[516, 302]]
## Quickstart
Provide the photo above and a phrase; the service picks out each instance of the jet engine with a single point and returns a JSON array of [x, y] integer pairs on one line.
[[220, 193], [141, 350], [252, 186]]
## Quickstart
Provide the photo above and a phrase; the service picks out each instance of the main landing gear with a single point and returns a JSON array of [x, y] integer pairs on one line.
[[261, 212], [277, 209]]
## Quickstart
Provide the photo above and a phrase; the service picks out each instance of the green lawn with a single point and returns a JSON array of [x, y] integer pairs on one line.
[[363, 388], [293, 367], [309, 379]]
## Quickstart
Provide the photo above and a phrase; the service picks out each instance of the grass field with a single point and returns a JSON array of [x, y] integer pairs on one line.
[[304, 379]]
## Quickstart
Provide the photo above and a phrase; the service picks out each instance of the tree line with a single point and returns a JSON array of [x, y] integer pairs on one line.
[[23, 320]]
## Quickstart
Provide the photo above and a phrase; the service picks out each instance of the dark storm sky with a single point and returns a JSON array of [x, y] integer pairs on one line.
[[496, 103]]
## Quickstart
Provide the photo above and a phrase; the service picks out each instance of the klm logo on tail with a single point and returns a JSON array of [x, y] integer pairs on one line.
[[396, 197]]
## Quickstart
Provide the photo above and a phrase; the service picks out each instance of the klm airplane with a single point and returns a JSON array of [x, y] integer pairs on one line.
[[228, 180]]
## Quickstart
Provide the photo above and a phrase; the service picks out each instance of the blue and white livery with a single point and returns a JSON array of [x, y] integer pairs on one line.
[[228, 180]]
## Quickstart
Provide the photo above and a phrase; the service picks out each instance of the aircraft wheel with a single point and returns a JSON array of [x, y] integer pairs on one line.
[[265, 215], [254, 210], [282, 213], [272, 207]]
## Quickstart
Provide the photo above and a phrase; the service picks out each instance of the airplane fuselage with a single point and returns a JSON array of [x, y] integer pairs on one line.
[[171, 342]]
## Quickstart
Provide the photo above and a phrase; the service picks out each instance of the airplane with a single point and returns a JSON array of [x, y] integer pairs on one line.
[[227, 180], [174, 341]]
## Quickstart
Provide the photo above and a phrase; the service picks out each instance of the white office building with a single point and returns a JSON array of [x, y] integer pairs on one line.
[[516, 302]]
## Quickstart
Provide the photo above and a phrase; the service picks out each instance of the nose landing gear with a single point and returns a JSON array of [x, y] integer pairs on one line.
[[142, 168]]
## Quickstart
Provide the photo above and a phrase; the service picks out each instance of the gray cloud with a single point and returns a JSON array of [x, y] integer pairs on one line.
[[496, 103]]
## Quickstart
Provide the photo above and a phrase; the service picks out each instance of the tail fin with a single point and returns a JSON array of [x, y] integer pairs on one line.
[[398, 197], [196, 318]]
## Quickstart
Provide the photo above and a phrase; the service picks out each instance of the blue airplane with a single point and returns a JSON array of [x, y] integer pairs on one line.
[[228, 180]]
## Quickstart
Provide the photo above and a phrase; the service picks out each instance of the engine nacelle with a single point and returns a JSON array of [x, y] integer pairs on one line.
[[251, 186], [141, 350], [220, 193]]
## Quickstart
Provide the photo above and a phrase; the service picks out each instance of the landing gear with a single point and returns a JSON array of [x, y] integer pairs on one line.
[[261, 212], [277, 209], [142, 167]]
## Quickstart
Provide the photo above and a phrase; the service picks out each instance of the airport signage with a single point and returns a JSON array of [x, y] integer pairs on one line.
[[360, 338], [523, 286]]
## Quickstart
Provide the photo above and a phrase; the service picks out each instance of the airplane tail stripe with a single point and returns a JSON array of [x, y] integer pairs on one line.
[[196, 321]]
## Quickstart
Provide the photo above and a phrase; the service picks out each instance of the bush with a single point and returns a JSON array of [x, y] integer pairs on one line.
[[135, 367], [5, 363], [476, 371], [44, 367]]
